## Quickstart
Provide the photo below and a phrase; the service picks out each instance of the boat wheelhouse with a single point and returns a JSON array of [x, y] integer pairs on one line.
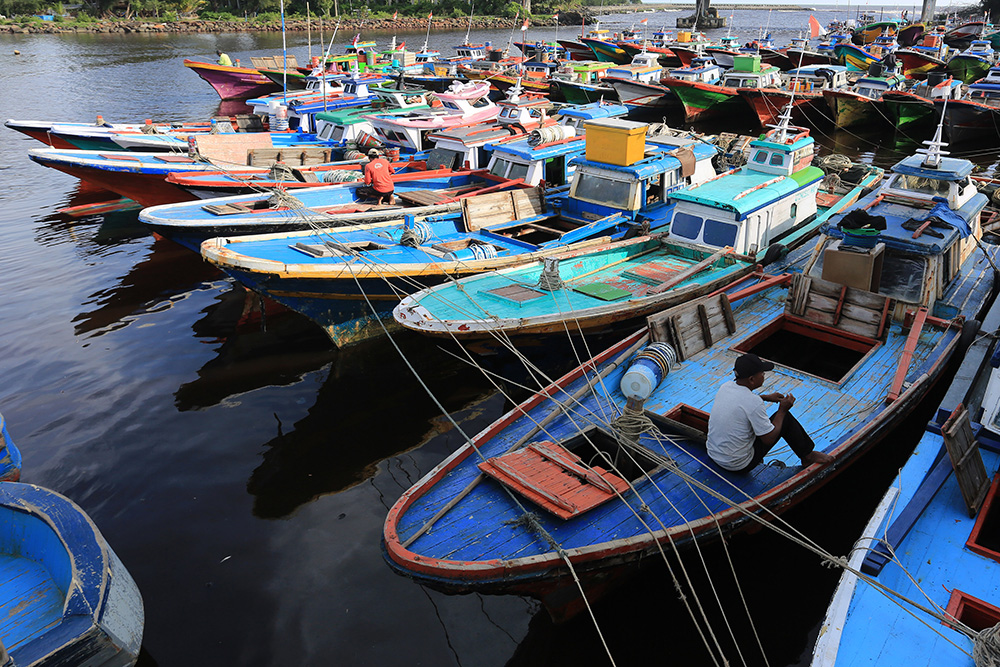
[[701, 100], [974, 62]]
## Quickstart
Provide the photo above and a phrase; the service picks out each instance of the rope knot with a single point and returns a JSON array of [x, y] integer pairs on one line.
[[986, 647]]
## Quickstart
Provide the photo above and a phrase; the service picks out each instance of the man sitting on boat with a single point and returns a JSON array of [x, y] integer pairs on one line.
[[378, 179], [740, 433], [224, 59]]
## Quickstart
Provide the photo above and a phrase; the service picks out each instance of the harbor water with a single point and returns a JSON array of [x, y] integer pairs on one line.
[[241, 467]]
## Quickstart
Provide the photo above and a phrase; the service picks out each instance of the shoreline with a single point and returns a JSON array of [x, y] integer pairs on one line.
[[406, 23]]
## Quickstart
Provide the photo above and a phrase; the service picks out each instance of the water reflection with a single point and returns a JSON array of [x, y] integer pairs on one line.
[[261, 343], [369, 408], [168, 272]]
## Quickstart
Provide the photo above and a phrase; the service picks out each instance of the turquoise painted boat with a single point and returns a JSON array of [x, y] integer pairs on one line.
[[925, 544], [607, 467], [67, 598]]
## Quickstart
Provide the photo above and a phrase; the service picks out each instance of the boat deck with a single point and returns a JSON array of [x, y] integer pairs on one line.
[[32, 601]]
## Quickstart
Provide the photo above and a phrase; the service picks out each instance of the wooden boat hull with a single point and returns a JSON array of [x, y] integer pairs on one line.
[[916, 65], [848, 109], [778, 59], [966, 121], [702, 100], [801, 58], [576, 311], [967, 69], [637, 95], [51, 547], [606, 51], [906, 110], [148, 189], [576, 50], [767, 103], [233, 83], [583, 93], [666, 57], [39, 131], [854, 57]]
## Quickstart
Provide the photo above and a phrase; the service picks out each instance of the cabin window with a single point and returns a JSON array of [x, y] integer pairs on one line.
[[505, 113], [720, 234], [760, 157], [325, 132], [499, 167], [686, 226], [927, 186], [518, 170], [442, 158], [777, 159], [450, 105], [810, 348], [794, 212], [599, 190], [655, 189], [480, 103], [338, 133]]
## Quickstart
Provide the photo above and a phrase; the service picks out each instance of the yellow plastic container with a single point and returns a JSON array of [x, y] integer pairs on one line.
[[683, 37], [615, 141]]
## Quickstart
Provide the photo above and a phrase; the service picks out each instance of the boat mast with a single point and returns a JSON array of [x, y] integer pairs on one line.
[[469, 29], [933, 152], [284, 52], [309, 35], [428, 36]]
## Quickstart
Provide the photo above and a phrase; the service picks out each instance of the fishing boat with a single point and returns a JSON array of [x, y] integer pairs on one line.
[[725, 51], [142, 176], [974, 62], [914, 107], [68, 599], [962, 35], [582, 82], [338, 277], [99, 135], [927, 56], [578, 115], [234, 83], [464, 103], [803, 89], [922, 582], [576, 49], [656, 95], [976, 115], [644, 72], [604, 47], [867, 34], [591, 290], [10, 455], [860, 103], [418, 195], [531, 75], [659, 44], [702, 100], [800, 55], [607, 466], [857, 59]]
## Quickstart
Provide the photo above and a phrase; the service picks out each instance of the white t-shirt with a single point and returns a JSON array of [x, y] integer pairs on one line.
[[737, 417]]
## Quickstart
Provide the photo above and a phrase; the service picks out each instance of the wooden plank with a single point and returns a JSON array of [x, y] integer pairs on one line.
[[904, 360], [706, 328], [965, 459]]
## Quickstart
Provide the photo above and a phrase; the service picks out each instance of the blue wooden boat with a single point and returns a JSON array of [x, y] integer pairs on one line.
[[338, 277], [435, 192], [924, 543], [66, 597], [719, 229], [607, 466], [10, 455]]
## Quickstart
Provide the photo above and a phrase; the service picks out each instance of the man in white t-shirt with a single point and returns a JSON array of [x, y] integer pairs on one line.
[[740, 433]]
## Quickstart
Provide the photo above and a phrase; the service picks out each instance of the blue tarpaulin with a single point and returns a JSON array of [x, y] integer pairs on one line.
[[945, 214]]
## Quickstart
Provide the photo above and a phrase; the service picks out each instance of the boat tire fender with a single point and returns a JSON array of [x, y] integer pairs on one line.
[[774, 252], [969, 332]]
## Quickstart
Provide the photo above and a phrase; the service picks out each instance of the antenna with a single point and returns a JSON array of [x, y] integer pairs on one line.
[[469, 29], [933, 151]]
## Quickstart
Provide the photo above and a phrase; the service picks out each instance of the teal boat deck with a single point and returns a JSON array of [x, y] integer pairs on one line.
[[486, 524]]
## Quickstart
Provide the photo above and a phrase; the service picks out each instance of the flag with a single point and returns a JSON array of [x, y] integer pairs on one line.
[[394, 15], [555, 17], [815, 29], [430, 16], [524, 26], [644, 21], [356, 38]]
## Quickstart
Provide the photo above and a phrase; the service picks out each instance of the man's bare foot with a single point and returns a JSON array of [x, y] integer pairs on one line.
[[817, 457]]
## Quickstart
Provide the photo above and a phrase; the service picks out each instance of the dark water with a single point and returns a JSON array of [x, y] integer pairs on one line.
[[241, 467]]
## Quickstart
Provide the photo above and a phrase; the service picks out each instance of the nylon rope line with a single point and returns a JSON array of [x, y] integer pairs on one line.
[[510, 494]]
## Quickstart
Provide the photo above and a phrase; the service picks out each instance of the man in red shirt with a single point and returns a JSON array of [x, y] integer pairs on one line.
[[378, 179]]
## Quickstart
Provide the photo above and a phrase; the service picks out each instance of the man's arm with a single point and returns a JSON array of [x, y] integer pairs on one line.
[[784, 405]]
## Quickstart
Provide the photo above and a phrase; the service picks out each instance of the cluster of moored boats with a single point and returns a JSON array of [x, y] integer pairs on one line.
[[523, 217]]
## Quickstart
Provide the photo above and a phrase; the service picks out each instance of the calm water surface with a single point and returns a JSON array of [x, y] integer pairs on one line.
[[241, 467]]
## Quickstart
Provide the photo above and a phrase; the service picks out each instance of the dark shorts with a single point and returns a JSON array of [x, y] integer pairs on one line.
[[368, 192]]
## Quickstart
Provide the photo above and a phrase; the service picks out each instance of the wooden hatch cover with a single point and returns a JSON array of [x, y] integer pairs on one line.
[[963, 449], [554, 478]]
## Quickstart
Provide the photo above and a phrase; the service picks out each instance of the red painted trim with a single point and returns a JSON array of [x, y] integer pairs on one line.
[[988, 505], [904, 360]]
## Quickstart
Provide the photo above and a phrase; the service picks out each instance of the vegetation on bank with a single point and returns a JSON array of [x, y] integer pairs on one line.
[[266, 12]]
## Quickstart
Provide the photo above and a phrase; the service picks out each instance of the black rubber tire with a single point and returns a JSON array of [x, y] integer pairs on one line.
[[969, 332], [774, 252]]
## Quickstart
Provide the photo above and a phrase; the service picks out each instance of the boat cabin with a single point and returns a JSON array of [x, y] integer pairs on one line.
[[932, 215], [644, 68], [981, 48], [938, 86], [634, 180], [551, 162], [758, 204], [538, 69], [816, 77], [471, 51], [747, 72], [987, 90], [578, 115], [582, 71], [872, 87], [703, 70]]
